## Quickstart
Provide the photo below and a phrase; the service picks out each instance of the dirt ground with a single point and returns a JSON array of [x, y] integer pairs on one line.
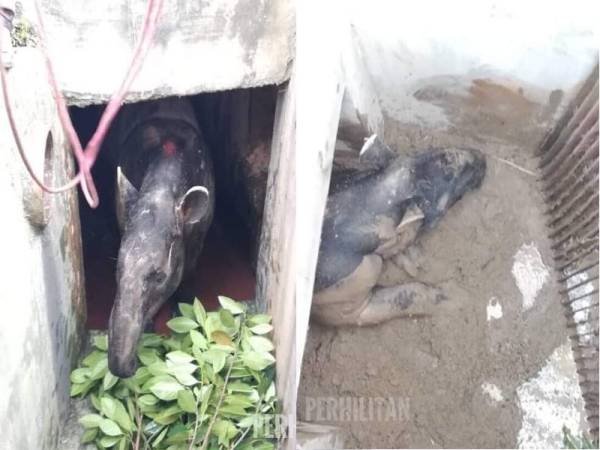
[[456, 372]]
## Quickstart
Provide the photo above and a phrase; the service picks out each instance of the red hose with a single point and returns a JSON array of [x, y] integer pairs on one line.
[[85, 158]]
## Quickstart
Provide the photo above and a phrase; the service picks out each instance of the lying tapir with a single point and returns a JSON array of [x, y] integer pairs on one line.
[[370, 218], [164, 205]]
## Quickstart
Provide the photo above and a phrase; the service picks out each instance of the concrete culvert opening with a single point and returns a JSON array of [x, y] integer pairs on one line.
[[197, 48], [238, 127], [227, 263]]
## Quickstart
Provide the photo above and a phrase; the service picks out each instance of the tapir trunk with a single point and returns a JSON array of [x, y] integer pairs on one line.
[[124, 331]]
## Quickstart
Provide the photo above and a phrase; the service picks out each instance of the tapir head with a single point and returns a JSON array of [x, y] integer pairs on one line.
[[442, 177], [152, 253]]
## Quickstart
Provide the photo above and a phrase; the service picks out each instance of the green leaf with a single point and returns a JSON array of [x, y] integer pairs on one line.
[[258, 319], [89, 435], [151, 340], [114, 410], [96, 402], [183, 367], [199, 311], [99, 369], [131, 410], [260, 344], [238, 400], [257, 444], [262, 328], [187, 310], [186, 401], [80, 375], [205, 392], [257, 361], [110, 428], [100, 342], [226, 319], [216, 358], [90, 420], [171, 344], [109, 441], [225, 431], [122, 417], [232, 411], [160, 437], [152, 428], [248, 421], [81, 388], [181, 447], [238, 386], [270, 394], [141, 376], [185, 378], [168, 415], [212, 323], [147, 356], [147, 400], [158, 368], [221, 338], [108, 406], [91, 359], [198, 340], [109, 381], [183, 372], [179, 357], [182, 324], [123, 443], [231, 305], [222, 348], [164, 387], [179, 435]]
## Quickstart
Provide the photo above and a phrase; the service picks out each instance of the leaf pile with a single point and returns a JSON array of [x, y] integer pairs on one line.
[[209, 385]]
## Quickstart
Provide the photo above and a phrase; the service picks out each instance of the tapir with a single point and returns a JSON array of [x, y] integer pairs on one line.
[[371, 218], [164, 201]]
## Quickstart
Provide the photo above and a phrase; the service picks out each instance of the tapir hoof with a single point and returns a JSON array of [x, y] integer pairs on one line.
[[405, 300]]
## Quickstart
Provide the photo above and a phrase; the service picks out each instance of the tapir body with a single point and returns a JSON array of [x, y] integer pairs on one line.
[[372, 218], [164, 200]]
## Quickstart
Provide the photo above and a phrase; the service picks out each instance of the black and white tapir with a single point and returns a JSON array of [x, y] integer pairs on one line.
[[370, 218], [164, 204]]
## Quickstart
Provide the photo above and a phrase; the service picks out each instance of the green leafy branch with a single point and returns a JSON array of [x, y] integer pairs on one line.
[[207, 386]]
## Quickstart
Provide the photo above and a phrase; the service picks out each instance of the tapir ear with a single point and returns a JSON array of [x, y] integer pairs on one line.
[[126, 195], [376, 152], [194, 205]]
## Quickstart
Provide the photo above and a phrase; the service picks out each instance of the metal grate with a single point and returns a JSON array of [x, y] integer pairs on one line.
[[568, 162]]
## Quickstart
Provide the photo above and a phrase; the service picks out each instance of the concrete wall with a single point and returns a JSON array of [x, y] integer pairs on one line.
[[41, 288], [199, 46], [442, 65]]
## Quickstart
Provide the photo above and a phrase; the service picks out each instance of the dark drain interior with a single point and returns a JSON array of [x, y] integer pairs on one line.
[[226, 265]]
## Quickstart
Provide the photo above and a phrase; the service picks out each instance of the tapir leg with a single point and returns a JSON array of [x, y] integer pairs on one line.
[[410, 299], [341, 303]]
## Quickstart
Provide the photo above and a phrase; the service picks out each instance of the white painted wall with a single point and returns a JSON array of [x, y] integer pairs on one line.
[[536, 46]]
